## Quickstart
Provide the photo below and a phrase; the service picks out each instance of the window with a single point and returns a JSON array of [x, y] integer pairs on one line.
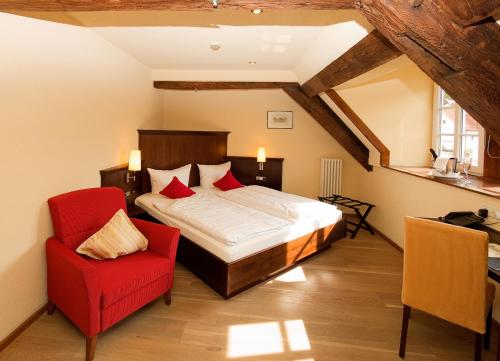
[[456, 133]]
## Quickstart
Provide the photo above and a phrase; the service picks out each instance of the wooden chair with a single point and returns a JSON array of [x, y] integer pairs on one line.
[[445, 274]]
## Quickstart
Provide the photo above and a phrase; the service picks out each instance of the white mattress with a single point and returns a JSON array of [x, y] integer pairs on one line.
[[235, 252]]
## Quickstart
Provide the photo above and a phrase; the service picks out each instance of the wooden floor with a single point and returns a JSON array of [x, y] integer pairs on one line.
[[343, 304]]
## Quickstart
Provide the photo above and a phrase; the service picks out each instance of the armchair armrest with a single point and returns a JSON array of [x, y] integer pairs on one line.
[[74, 286], [162, 240]]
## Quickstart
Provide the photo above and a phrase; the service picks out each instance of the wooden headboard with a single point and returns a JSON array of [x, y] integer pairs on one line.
[[169, 149]]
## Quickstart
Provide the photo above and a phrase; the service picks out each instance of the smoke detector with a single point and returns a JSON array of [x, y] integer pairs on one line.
[[214, 45]]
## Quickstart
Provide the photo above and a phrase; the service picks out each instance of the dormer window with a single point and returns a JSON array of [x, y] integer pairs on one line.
[[456, 133]]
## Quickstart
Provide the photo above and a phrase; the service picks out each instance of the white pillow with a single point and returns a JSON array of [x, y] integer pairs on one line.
[[212, 173], [161, 178]]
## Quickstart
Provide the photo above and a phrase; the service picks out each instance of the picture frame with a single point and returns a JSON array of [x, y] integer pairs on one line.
[[280, 119]]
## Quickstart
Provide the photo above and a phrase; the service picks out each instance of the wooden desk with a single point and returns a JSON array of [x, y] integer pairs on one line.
[[494, 233]]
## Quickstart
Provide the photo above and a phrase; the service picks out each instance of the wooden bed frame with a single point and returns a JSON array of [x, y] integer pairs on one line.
[[229, 279], [164, 149]]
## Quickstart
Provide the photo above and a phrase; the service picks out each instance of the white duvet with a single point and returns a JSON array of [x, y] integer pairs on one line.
[[284, 205], [227, 222]]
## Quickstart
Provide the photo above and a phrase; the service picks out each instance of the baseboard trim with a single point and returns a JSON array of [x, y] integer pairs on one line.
[[376, 230], [22, 327], [387, 239]]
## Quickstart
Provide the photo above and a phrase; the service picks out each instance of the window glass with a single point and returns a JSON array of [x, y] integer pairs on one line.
[[470, 147], [447, 145], [448, 116], [458, 133], [446, 100], [470, 126]]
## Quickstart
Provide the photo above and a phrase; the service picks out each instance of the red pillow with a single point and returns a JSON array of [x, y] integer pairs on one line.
[[177, 189], [228, 182]]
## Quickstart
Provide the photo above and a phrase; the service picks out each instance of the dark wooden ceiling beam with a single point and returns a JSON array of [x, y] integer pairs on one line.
[[372, 51], [130, 5], [332, 123], [466, 13], [463, 61], [362, 127], [221, 85]]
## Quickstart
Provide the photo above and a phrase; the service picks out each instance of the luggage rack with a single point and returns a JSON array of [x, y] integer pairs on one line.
[[362, 209]]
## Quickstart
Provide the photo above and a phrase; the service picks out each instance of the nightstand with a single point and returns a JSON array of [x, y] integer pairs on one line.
[[135, 211]]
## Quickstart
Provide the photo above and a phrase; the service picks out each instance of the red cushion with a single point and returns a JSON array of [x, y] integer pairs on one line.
[[228, 182], [78, 215], [177, 189], [125, 275]]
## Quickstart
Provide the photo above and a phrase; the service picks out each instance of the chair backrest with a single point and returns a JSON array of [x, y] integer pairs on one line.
[[79, 214], [445, 272]]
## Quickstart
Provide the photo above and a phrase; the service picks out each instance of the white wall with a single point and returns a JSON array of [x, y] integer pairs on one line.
[[70, 104]]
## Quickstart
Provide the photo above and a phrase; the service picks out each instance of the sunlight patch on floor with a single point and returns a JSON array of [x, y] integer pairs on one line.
[[297, 335], [294, 275], [254, 339], [266, 338]]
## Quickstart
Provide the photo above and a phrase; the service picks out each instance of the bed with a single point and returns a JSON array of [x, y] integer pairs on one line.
[[232, 265]]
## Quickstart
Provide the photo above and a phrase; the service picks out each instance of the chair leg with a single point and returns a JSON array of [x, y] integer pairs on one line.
[[90, 347], [51, 307], [498, 345], [487, 335], [167, 297], [478, 346], [404, 330]]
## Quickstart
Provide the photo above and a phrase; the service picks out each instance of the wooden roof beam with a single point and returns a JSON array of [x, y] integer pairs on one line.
[[362, 127], [332, 123], [131, 5], [221, 85], [466, 13], [372, 51], [463, 61]]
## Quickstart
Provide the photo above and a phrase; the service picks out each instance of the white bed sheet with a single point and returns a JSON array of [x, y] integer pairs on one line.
[[231, 253], [226, 221]]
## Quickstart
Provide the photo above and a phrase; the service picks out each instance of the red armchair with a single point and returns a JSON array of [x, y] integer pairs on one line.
[[96, 294]]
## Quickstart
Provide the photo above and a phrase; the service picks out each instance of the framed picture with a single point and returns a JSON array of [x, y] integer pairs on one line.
[[280, 120]]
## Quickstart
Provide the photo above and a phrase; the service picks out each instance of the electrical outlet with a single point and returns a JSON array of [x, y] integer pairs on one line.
[[260, 178]]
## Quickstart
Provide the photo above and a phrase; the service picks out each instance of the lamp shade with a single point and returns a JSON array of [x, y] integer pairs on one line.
[[134, 162], [261, 155]]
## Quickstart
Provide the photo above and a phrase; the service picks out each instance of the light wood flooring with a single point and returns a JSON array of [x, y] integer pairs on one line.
[[347, 308]]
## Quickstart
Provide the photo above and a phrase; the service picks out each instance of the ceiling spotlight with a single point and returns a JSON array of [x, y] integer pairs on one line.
[[252, 62], [215, 4], [214, 45], [257, 11]]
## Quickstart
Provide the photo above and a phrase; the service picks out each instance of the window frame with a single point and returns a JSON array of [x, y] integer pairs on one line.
[[458, 133]]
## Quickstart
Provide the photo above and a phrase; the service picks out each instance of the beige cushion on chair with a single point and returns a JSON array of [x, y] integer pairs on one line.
[[118, 237], [445, 272]]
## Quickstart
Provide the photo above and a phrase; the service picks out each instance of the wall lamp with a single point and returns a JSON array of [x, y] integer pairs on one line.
[[134, 165], [261, 159]]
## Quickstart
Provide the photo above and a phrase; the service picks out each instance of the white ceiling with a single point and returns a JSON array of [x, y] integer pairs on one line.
[[272, 47], [300, 42]]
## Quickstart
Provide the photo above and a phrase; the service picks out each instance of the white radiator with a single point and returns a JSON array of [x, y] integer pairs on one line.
[[331, 177]]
